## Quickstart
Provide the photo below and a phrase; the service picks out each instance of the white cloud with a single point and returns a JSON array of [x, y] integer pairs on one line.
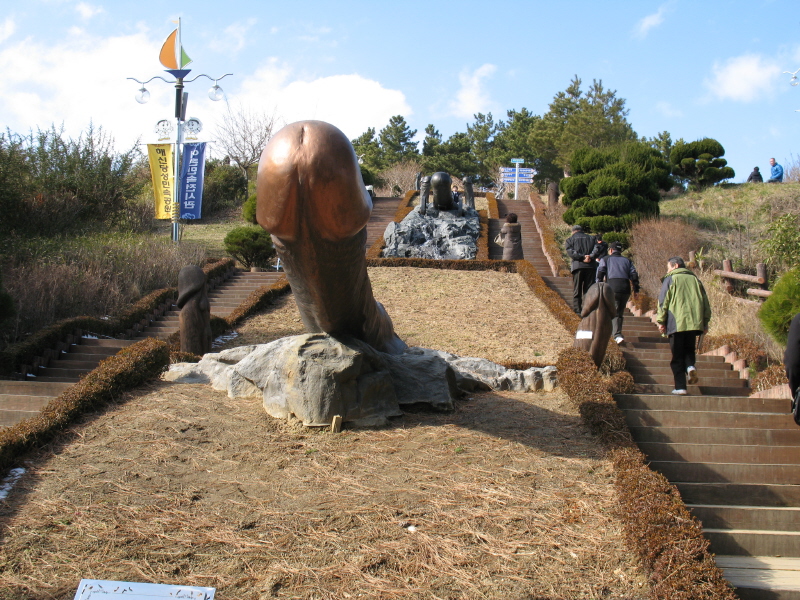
[[234, 38], [87, 11], [743, 78], [350, 102], [7, 29], [666, 109], [471, 98], [644, 26]]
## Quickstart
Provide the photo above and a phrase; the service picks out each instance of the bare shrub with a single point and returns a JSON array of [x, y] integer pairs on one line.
[[791, 172], [399, 178], [654, 241], [92, 277]]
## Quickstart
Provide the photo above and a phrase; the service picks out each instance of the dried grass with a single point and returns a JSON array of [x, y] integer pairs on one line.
[[509, 496], [654, 242]]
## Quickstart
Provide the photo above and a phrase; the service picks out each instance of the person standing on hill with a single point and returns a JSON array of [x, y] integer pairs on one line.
[[579, 248], [755, 176], [512, 238], [683, 313], [776, 172], [620, 273]]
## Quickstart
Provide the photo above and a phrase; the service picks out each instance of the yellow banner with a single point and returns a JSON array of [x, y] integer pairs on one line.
[[162, 169]]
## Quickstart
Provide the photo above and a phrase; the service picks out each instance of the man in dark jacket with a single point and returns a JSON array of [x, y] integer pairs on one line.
[[580, 247], [791, 360], [755, 176], [683, 313], [620, 273]]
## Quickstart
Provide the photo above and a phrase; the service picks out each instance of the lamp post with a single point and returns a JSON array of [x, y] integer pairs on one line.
[[175, 59]]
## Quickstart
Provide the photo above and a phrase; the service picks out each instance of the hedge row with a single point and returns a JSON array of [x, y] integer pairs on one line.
[[483, 237], [491, 201], [128, 369], [24, 352], [658, 527], [551, 246]]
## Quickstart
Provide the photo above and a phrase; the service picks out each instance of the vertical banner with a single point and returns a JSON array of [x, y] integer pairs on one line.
[[192, 170], [163, 172]]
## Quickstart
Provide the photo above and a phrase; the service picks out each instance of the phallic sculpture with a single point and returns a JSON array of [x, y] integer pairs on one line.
[[424, 192], [417, 180], [311, 198], [195, 317], [594, 331], [442, 184], [552, 194], [469, 194]]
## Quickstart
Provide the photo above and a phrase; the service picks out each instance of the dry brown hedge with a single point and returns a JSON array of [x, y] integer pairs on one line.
[[745, 348], [126, 370], [658, 527]]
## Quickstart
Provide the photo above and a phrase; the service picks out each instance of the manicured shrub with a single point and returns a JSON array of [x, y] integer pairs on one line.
[[699, 163], [777, 312], [251, 246], [249, 210], [225, 187]]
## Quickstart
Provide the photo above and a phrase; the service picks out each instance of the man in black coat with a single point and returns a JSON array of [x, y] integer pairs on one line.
[[580, 248], [791, 360]]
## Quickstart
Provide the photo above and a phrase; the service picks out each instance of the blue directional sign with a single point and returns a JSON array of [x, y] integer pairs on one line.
[[526, 170], [520, 180], [517, 160], [507, 170]]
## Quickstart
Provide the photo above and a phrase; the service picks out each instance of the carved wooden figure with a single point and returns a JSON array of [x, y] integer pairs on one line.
[[594, 331], [195, 318]]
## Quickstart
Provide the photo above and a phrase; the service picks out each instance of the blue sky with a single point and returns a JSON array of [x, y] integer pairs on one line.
[[693, 69]]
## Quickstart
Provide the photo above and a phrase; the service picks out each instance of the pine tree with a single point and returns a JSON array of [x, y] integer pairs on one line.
[[397, 142]]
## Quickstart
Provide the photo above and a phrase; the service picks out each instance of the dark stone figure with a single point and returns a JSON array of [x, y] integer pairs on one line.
[[417, 180], [312, 200], [594, 331], [469, 194], [195, 318], [552, 194], [424, 192], [442, 184]]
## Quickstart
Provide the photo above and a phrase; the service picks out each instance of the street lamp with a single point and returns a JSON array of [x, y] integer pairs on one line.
[[175, 59]]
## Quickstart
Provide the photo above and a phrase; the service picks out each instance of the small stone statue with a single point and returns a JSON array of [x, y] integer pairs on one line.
[[195, 318], [552, 194], [417, 180], [424, 190], [441, 184], [594, 331], [469, 195]]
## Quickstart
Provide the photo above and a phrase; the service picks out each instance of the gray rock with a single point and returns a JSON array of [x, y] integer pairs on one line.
[[436, 234]]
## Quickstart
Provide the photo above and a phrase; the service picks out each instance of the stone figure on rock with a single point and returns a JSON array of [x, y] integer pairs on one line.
[[195, 317], [424, 192], [311, 198], [594, 331], [469, 194], [441, 185]]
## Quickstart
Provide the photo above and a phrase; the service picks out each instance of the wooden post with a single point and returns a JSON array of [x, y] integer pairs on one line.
[[761, 271], [727, 265], [692, 262]]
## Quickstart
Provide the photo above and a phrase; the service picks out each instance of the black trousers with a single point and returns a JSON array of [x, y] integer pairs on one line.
[[621, 301], [582, 280], [682, 345]]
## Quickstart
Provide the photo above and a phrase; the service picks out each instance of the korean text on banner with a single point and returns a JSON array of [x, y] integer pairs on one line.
[[192, 169], [162, 170]]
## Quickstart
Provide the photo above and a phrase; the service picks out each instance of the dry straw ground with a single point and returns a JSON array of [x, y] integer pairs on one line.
[[507, 497]]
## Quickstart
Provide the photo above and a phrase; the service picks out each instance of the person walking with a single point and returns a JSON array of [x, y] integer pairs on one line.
[[775, 173], [620, 274], [755, 176], [512, 238], [579, 248], [683, 314]]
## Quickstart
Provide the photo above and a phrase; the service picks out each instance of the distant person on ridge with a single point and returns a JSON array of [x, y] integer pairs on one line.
[[776, 173], [620, 273], [579, 248], [755, 176], [683, 313]]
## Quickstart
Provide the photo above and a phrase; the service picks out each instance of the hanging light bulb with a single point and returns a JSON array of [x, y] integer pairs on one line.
[[794, 80], [216, 93], [142, 96]]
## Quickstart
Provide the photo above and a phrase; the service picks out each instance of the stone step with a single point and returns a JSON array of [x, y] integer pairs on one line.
[[32, 388], [740, 494], [754, 542], [647, 361], [701, 403], [769, 518], [680, 471], [762, 577], [717, 435], [23, 403], [65, 363], [697, 419], [51, 379], [705, 382], [714, 370], [80, 351], [105, 343], [694, 390], [717, 453], [51, 372]]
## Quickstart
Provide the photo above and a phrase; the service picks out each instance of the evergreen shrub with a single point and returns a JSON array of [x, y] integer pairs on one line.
[[249, 210], [251, 246], [778, 310], [225, 186]]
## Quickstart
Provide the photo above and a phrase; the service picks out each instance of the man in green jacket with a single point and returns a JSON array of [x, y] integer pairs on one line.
[[683, 314]]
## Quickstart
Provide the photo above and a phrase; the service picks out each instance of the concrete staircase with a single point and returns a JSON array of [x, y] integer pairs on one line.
[[734, 459], [531, 242], [383, 211]]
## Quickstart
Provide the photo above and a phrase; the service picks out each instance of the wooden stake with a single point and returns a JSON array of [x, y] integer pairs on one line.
[[336, 424]]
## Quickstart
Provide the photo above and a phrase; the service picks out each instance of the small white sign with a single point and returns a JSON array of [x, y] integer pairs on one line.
[[96, 589], [517, 160], [583, 335]]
